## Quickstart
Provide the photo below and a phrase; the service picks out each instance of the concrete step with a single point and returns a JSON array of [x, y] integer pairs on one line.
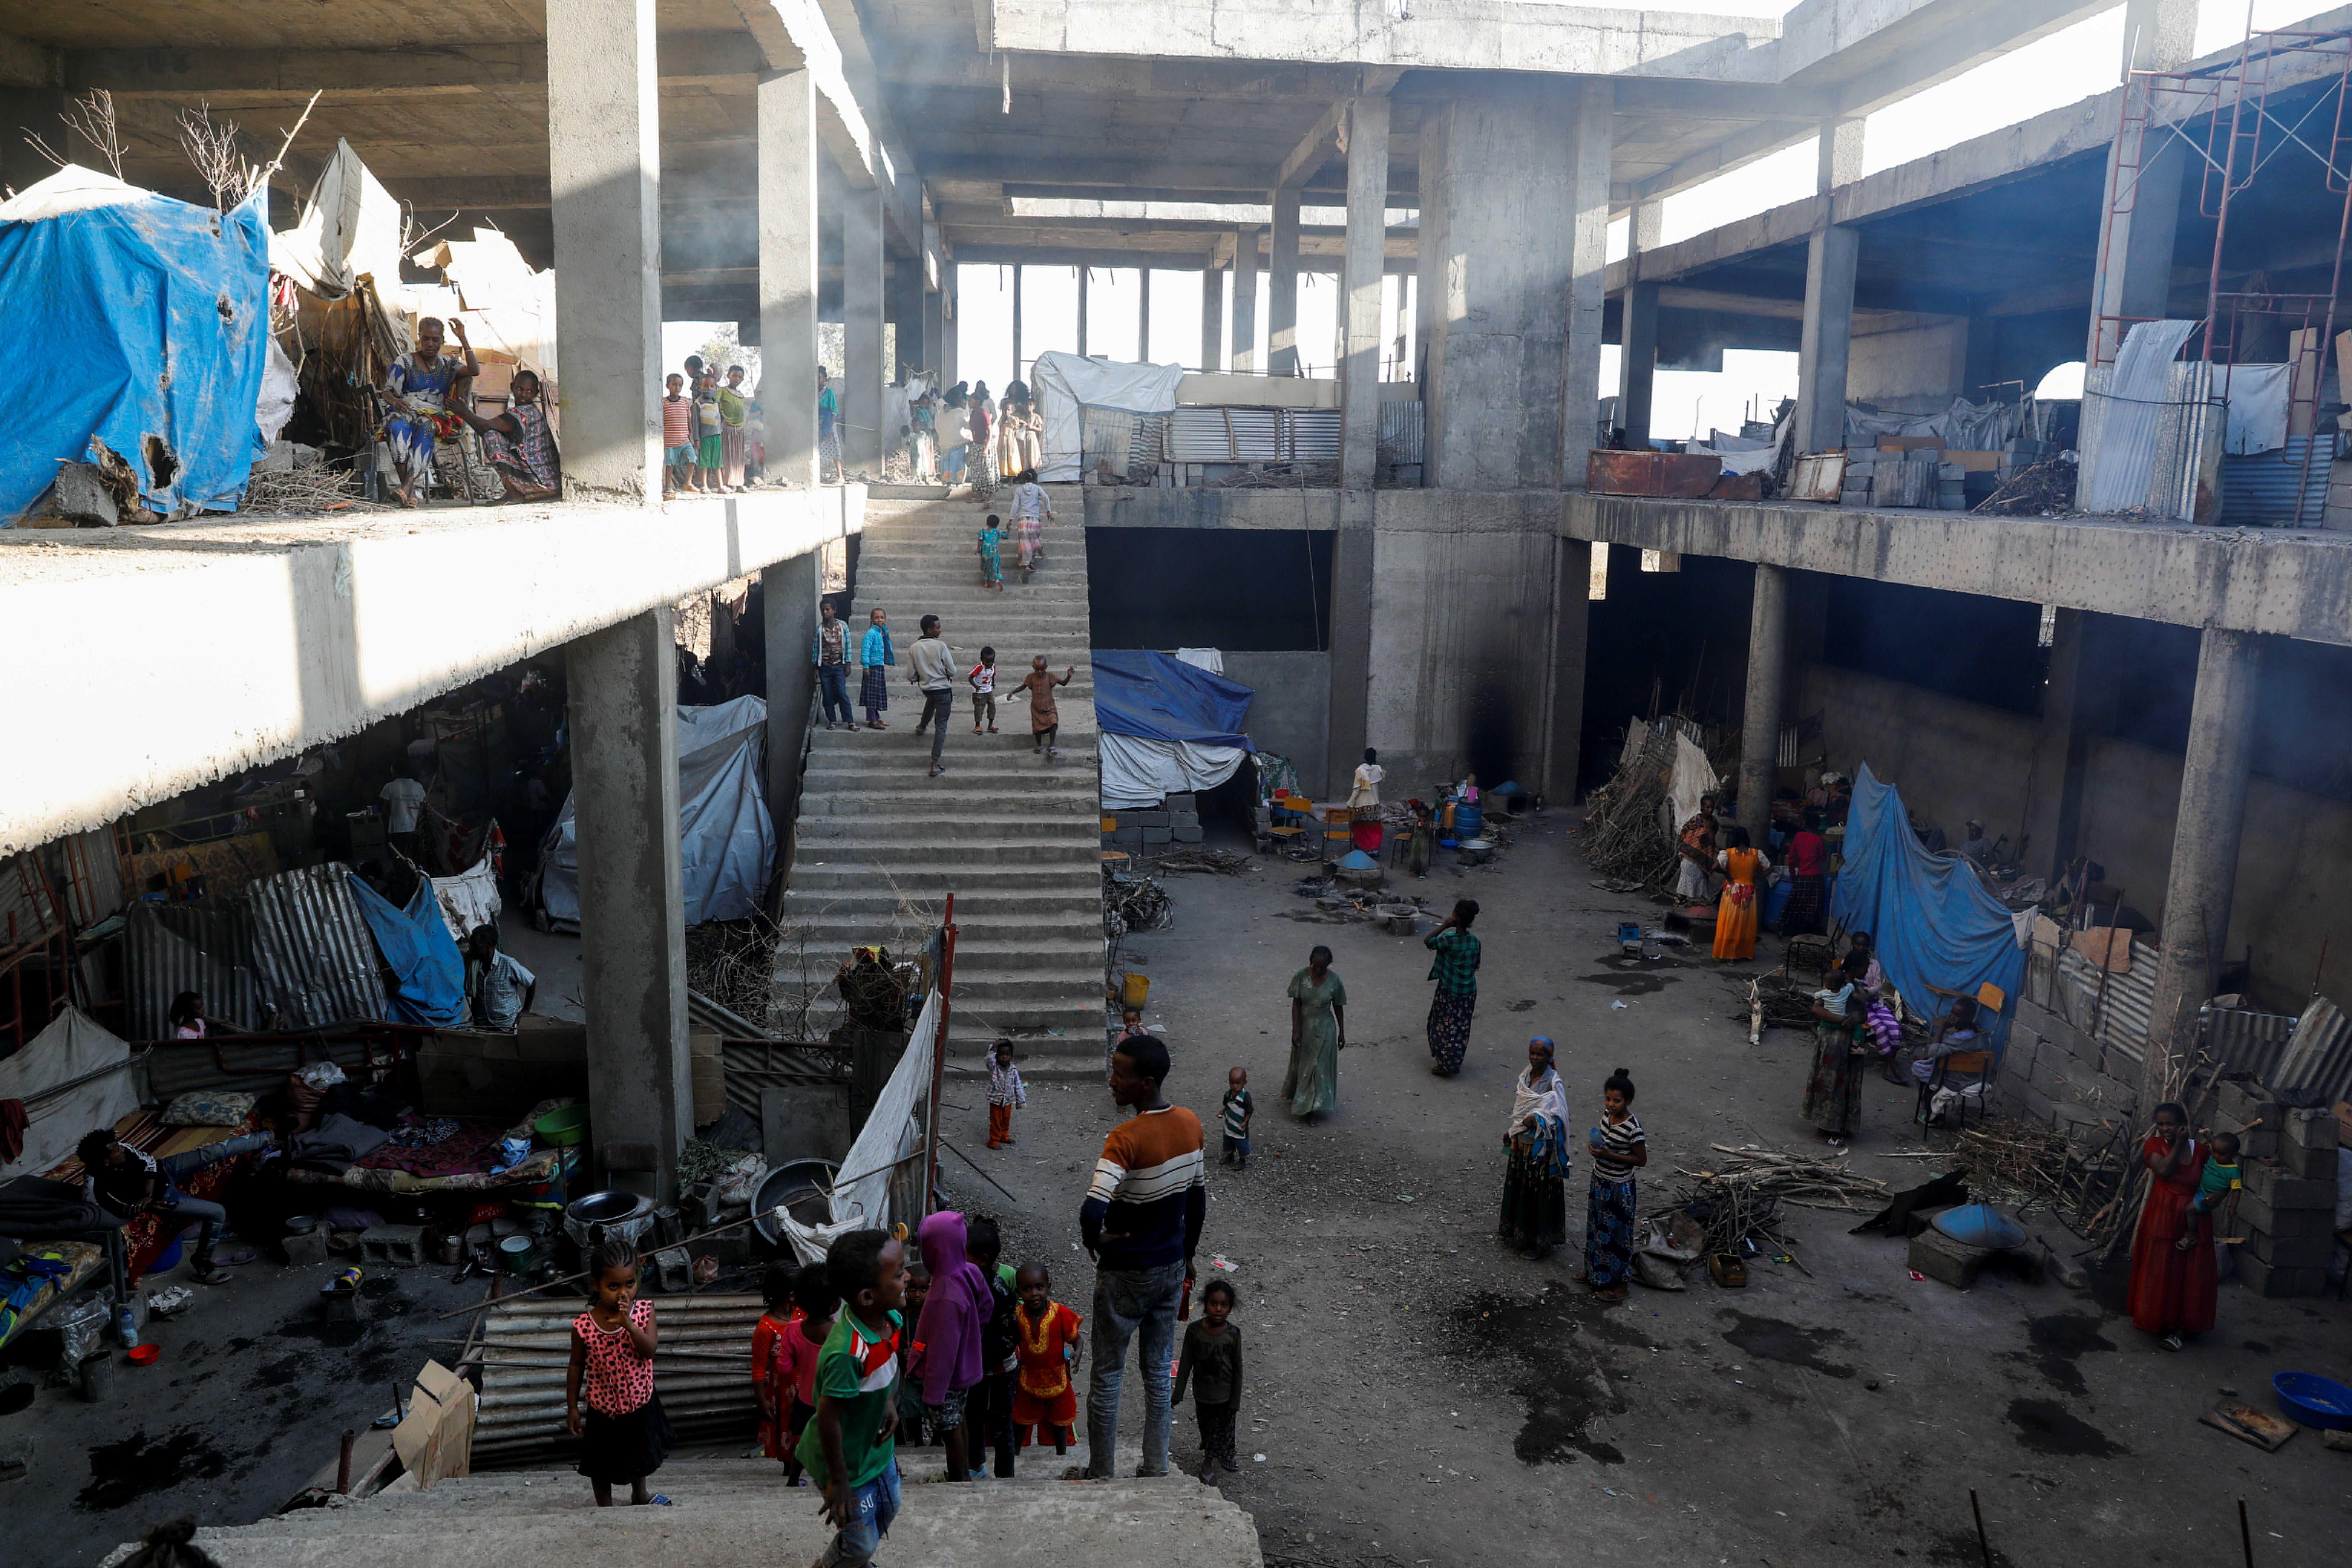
[[1019, 833], [923, 879], [919, 854], [982, 903], [1008, 956]]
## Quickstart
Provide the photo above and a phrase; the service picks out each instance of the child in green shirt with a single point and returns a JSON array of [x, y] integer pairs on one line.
[[2215, 1186], [848, 1447]]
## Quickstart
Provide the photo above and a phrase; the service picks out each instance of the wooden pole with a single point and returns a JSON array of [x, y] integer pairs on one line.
[[940, 1038], [1983, 1544]]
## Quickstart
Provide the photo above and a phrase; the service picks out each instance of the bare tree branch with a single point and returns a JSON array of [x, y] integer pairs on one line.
[[210, 146], [93, 117]]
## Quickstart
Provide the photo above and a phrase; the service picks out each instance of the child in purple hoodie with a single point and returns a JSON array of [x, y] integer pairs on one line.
[[954, 1314]]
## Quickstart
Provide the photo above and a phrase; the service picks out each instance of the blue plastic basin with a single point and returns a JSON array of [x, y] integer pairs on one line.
[[1979, 1224], [2313, 1400]]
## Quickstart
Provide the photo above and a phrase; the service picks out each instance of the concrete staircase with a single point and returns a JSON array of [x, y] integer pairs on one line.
[[1016, 836], [735, 1513]]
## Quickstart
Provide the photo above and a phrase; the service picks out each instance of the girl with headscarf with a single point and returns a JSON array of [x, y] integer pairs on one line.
[[1364, 802], [1318, 1033], [2172, 1291], [1618, 1149], [1534, 1143], [959, 1305], [1834, 1089]]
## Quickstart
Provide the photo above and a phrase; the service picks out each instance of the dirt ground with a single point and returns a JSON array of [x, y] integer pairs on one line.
[[1418, 1395]]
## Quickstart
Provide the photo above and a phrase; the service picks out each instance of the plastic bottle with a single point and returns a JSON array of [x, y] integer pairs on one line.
[[126, 1328]]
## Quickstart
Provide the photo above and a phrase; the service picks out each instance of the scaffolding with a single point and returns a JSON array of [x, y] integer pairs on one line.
[[2242, 136]]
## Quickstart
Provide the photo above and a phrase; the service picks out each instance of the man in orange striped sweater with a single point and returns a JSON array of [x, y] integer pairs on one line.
[[1142, 1222]]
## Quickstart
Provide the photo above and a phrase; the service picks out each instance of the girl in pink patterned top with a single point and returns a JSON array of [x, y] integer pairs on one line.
[[625, 1436]]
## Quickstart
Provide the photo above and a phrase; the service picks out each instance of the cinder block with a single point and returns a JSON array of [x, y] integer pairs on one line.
[[2290, 1252], [2265, 1279], [1152, 836], [2263, 1143], [2305, 1164], [308, 1246], [393, 1244], [2238, 1105], [1126, 837], [2033, 1103], [1179, 802], [1938, 1257], [1183, 819], [2308, 1128], [2280, 1191], [1185, 834], [673, 1270], [1146, 818], [2285, 1224]]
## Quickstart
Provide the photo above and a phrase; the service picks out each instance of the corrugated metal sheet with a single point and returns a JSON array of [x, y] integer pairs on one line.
[[255, 1065], [703, 1370], [2247, 1042], [1403, 439], [311, 947], [1106, 435], [2319, 1057], [201, 947], [752, 1066], [2120, 403], [1313, 434], [2067, 983], [27, 908], [1226, 434], [2183, 426], [2258, 488]]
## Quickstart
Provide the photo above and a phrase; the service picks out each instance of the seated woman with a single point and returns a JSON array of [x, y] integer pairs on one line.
[[1955, 1033], [518, 444]]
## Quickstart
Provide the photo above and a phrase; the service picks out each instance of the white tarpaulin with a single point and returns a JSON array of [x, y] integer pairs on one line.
[[1137, 774], [276, 405], [351, 229], [891, 1132], [2257, 395], [1207, 658], [1065, 384], [467, 900], [1693, 776], [74, 1046], [729, 842], [898, 400]]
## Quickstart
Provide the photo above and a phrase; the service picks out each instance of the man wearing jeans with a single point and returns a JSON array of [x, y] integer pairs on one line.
[[1142, 1222], [829, 651], [131, 1183], [930, 664]]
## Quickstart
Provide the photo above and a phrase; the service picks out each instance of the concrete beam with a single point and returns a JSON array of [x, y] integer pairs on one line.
[[450, 70], [313, 632], [787, 278], [1244, 356], [1281, 278], [1315, 148]]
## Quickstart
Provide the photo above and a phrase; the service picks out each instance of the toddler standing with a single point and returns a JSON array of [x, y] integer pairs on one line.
[[1211, 1363], [2215, 1185], [625, 1436], [953, 1315], [1239, 1109], [1004, 1092], [992, 536], [983, 692], [770, 1383], [1048, 1349], [793, 1358]]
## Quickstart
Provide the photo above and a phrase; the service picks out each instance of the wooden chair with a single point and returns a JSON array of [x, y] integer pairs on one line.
[[1113, 856], [1977, 1068]]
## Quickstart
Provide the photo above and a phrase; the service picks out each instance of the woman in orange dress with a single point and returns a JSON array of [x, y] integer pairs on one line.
[[2172, 1291], [1735, 915]]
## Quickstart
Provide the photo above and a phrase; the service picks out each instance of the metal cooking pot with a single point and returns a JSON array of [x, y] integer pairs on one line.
[[801, 1187], [625, 1216]]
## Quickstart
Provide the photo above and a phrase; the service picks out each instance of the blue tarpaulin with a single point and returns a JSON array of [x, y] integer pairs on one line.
[[428, 972], [1154, 697], [1931, 920], [142, 322]]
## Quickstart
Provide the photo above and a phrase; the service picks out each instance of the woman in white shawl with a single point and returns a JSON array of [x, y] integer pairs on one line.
[[1364, 803], [1535, 1178]]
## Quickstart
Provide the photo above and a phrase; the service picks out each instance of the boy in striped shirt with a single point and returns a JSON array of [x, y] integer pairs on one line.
[[1141, 1221]]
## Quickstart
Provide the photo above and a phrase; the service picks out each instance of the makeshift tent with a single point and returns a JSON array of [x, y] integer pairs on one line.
[[1167, 726], [878, 1161], [72, 1076], [160, 311], [728, 841], [469, 898], [1066, 385], [1931, 920], [349, 230], [427, 971]]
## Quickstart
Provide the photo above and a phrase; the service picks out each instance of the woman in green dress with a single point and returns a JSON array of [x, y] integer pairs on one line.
[[1318, 1033]]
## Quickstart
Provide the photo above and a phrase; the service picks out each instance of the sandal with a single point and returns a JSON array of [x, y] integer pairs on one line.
[[659, 1500], [238, 1259], [211, 1276]]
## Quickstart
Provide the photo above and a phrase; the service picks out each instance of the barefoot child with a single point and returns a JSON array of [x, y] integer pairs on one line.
[[625, 1436], [953, 1315], [991, 570], [983, 692], [770, 1375], [1211, 1363], [990, 1414], [847, 1447], [1048, 1347], [793, 1358], [910, 1359], [1004, 1092], [2215, 1186], [1239, 1109]]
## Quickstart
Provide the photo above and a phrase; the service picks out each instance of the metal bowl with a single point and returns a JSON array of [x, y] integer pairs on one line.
[[625, 1217], [801, 1187]]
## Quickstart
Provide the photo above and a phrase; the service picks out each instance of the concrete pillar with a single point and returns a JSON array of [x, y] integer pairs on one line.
[[788, 619], [1282, 283], [1637, 352], [2133, 281], [1571, 618], [1827, 338], [902, 294], [1017, 360], [1082, 312], [1143, 315], [624, 715], [604, 157], [934, 327], [1588, 293], [1352, 645], [1245, 300], [1513, 233], [788, 272], [1361, 271], [2078, 705], [2159, 35], [1760, 723], [2205, 835], [862, 372], [950, 313], [1213, 318]]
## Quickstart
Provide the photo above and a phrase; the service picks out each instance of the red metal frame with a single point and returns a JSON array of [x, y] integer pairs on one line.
[[940, 1054]]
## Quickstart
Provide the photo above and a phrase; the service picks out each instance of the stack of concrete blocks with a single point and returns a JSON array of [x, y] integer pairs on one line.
[[2337, 512], [2022, 452], [1951, 488], [1860, 465], [2057, 1075], [1174, 821], [2286, 1207]]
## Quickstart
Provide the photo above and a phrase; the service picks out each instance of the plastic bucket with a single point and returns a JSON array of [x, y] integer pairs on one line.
[[1469, 820], [1133, 989], [563, 1126], [516, 1253]]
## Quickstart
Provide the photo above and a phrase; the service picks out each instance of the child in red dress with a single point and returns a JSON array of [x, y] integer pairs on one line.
[[1046, 1342]]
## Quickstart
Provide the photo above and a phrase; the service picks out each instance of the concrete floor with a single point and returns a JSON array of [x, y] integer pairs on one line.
[[1419, 1395], [248, 1403]]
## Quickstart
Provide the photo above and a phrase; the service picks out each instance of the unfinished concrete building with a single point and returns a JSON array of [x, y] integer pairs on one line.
[[2152, 691]]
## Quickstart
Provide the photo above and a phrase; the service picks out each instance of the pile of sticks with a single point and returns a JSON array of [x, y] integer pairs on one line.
[[1622, 837], [1218, 862], [305, 492], [2047, 488], [1738, 1196], [2016, 1164]]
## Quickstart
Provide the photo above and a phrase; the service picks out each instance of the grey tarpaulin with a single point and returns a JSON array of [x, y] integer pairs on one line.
[[728, 841], [74, 1046], [892, 1131]]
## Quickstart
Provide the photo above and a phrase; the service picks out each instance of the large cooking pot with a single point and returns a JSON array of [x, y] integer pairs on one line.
[[801, 1187], [625, 1217]]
